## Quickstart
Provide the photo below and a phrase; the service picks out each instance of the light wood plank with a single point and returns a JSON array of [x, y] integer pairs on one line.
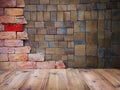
[[15, 81], [94, 81], [110, 78]]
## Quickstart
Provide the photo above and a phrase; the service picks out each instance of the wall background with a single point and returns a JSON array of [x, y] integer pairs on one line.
[[82, 33]]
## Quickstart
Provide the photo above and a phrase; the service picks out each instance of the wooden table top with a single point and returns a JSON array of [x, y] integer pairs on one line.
[[60, 79]]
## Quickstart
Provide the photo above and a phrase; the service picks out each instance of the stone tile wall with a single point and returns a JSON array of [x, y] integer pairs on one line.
[[82, 33]]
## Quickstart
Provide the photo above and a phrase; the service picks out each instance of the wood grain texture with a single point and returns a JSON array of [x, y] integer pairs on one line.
[[60, 79]]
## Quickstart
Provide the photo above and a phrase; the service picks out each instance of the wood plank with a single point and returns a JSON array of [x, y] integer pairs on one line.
[[61, 81], [36, 81], [110, 78], [94, 81], [52, 81], [114, 72], [15, 81], [73, 81], [4, 75]]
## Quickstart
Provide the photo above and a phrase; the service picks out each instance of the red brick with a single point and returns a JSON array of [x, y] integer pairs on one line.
[[59, 65], [7, 19], [7, 35], [25, 49], [13, 43], [36, 57], [46, 65], [13, 19], [26, 65], [14, 27], [13, 11], [20, 20], [20, 3], [22, 35], [1, 42], [1, 11], [18, 57], [7, 3], [6, 50], [3, 57]]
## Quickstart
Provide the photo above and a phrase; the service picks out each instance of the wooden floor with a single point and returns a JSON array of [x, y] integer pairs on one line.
[[60, 79]]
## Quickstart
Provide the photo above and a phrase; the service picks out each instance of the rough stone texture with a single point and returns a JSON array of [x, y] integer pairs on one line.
[[77, 29]]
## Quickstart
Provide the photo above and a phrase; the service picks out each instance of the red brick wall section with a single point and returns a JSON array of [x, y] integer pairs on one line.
[[13, 53]]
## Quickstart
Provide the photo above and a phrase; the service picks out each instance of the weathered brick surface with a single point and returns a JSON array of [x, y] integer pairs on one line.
[[7, 19], [13, 11], [18, 57], [1, 11], [20, 3], [13, 43], [1, 42], [25, 49], [46, 65], [36, 57], [22, 35], [26, 65], [7, 3], [6, 50], [13, 27], [3, 57], [60, 65], [7, 35], [1, 27]]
